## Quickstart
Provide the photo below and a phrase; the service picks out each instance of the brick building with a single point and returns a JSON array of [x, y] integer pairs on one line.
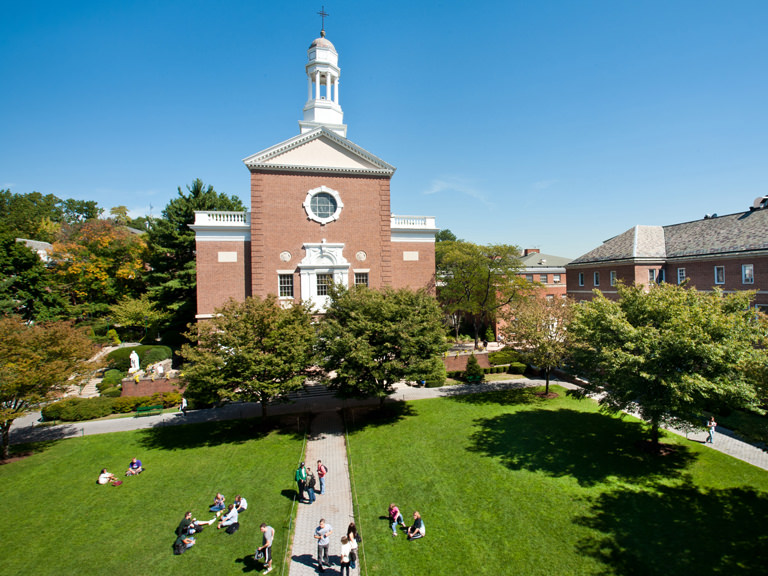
[[320, 214], [729, 252], [545, 269]]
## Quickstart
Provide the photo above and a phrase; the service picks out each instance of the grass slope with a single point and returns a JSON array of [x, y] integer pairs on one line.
[[63, 523], [508, 483]]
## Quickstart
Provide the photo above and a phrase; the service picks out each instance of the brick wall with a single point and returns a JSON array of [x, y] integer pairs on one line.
[[219, 281], [148, 387], [453, 362]]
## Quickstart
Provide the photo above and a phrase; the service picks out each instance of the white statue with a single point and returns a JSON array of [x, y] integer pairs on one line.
[[134, 362]]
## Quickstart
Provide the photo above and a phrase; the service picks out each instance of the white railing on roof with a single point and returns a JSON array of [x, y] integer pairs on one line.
[[216, 218], [425, 222]]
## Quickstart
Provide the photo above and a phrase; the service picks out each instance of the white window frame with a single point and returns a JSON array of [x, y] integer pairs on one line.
[[556, 278], [652, 275], [581, 278], [747, 273], [308, 205], [596, 278], [280, 285], [681, 275], [721, 269], [360, 274], [613, 278], [544, 276]]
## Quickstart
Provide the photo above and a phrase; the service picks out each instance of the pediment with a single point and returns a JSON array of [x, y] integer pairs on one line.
[[319, 150]]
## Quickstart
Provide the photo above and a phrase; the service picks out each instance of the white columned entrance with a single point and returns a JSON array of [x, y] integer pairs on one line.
[[321, 262]]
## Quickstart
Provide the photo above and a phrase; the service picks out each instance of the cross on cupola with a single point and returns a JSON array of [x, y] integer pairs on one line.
[[322, 107]]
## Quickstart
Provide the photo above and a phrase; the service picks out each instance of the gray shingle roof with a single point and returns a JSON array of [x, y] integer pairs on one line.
[[718, 235], [549, 261]]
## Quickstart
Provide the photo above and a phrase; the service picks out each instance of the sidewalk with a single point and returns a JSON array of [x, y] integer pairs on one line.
[[26, 430], [326, 442]]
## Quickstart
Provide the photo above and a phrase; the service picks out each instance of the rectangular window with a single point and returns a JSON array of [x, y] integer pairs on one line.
[[581, 278], [543, 278], [324, 282], [719, 274], [556, 278], [613, 277], [681, 275], [529, 278], [361, 278], [285, 282], [596, 279], [747, 274], [651, 276]]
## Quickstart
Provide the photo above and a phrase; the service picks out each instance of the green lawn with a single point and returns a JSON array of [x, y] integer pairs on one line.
[[508, 483], [60, 522]]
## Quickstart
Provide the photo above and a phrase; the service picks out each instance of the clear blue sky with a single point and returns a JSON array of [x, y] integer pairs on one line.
[[553, 125]]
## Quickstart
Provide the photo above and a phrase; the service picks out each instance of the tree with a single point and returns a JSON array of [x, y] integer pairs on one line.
[[540, 326], [473, 371], [372, 339], [39, 217], [99, 262], [669, 352], [445, 236], [26, 289], [253, 350], [476, 281], [138, 312], [173, 277], [36, 362]]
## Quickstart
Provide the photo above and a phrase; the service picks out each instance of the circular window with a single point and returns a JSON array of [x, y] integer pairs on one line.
[[323, 205]]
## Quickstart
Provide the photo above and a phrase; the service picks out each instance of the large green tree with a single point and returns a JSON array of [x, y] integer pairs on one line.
[[670, 351], [371, 339], [36, 362], [540, 327], [172, 281], [475, 282], [253, 350]]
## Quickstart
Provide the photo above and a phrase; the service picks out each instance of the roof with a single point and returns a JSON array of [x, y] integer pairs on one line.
[[538, 260], [740, 232]]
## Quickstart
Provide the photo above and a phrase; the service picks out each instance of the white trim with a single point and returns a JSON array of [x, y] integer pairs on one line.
[[308, 204]]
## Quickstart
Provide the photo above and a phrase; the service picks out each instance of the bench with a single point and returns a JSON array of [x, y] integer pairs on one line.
[[149, 410], [475, 379]]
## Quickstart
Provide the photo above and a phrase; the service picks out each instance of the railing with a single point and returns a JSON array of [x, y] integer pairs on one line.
[[211, 218], [425, 222]]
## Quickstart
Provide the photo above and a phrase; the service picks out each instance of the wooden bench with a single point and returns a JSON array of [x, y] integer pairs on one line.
[[149, 410]]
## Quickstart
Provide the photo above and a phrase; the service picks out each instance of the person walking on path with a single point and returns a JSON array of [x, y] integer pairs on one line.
[[301, 479], [268, 534], [711, 425], [346, 551], [322, 470], [310, 485], [322, 535]]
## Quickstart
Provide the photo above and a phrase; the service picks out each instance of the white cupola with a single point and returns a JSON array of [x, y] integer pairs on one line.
[[322, 107]]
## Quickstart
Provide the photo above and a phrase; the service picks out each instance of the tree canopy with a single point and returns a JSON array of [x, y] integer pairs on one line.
[[474, 281], [670, 352], [172, 280], [372, 339], [540, 327], [253, 350], [35, 363]]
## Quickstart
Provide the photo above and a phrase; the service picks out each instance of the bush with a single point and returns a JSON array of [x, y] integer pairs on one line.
[[125, 404], [516, 368], [455, 374], [120, 358], [113, 337], [112, 378], [53, 411], [78, 409], [473, 373], [503, 356], [112, 392]]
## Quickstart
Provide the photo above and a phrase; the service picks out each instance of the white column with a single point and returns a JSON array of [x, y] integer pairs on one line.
[[317, 85], [328, 87], [309, 87], [337, 91]]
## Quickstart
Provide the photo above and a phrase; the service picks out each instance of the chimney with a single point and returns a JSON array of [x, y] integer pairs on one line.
[[531, 251]]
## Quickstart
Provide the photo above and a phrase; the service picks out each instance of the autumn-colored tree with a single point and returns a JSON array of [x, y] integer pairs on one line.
[[35, 363]]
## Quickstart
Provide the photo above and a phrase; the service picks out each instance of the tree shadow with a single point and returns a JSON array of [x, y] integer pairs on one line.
[[590, 447], [216, 433], [679, 530], [361, 417], [517, 395]]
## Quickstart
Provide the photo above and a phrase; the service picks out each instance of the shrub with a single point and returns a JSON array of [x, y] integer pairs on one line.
[[171, 399], [120, 358], [455, 374], [112, 392], [516, 368], [53, 411], [473, 372], [504, 356], [79, 409], [156, 354], [489, 335], [113, 337], [112, 378], [125, 404]]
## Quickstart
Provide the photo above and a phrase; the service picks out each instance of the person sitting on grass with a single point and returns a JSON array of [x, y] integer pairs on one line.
[[240, 503], [183, 542], [134, 467], [417, 529], [191, 525], [107, 478], [230, 518], [218, 502], [395, 518]]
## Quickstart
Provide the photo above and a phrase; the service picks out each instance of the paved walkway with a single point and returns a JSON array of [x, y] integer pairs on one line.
[[26, 429], [326, 442]]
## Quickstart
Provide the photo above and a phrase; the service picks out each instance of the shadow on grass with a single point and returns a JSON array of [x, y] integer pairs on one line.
[[679, 530], [588, 446], [250, 564], [217, 433], [361, 417], [517, 396]]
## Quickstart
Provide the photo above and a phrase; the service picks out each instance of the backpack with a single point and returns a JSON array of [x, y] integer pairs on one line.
[[232, 528], [179, 547]]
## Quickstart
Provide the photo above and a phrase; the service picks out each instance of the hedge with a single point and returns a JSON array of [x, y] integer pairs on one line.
[[503, 356], [120, 359], [79, 409], [516, 368]]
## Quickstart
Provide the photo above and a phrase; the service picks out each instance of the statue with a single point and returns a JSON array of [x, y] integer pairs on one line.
[[134, 362]]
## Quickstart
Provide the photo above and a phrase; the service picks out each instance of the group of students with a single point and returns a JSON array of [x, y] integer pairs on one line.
[[349, 545], [134, 469], [414, 531], [306, 482]]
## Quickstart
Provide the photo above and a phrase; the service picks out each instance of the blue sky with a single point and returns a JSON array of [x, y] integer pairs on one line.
[[552, 125]]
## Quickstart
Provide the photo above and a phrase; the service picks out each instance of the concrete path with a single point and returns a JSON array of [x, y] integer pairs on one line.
[[326, 442], [26, 429]]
